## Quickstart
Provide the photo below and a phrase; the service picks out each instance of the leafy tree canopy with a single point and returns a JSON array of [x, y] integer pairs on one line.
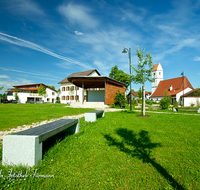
[[41, 90], [52, 87], [144, 67], [1, 87], [120, 75]]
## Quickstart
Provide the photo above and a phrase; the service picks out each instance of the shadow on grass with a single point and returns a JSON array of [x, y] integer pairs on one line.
[[142, 150], [52, 141]]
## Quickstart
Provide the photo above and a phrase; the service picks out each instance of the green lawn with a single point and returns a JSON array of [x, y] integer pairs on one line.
[[13, 115], [119, 151]]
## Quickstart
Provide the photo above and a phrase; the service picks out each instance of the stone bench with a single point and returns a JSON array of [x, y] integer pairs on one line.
[[92, 116], [25, 147], [185, 108]]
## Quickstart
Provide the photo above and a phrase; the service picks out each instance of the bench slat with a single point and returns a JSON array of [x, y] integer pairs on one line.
[[48, 130]]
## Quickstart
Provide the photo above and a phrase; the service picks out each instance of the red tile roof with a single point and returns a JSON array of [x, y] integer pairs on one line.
[[155, 67], [84, 73], [177, 86]]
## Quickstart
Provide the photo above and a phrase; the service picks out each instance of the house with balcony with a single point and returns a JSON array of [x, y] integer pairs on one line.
[[30, 92]]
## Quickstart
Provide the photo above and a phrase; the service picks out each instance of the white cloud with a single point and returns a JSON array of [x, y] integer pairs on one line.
[[4, 77], [24, 7], [78, 33], [78, 14], [197, 58], [27, 44]]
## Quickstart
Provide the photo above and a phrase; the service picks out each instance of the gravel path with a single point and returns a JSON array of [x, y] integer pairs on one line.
[[24, 127]]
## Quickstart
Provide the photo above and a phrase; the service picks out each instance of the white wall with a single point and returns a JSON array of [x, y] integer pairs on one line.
[[96, 96], [23, 96], [178, 95], [69, 93], [191, 100]]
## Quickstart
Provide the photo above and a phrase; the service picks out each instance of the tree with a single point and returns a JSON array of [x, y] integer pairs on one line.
[[120, 75], [41, 90], [16, 94], [52, 87], [4, 96], [139, 94], [1, 87], [119, 98], [143, 72]]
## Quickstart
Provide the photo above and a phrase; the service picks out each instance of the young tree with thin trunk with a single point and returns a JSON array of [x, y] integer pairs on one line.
[[143, 72]]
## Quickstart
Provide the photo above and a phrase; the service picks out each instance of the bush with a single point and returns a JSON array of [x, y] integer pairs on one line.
[[112, 106], [175, 104], [119, 98], [149, 102], [165, 102]]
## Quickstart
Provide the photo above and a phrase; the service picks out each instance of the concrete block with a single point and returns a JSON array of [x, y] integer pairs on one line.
[[21, 149], [90, 117]]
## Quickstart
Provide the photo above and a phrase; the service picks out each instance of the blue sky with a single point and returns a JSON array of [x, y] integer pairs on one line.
[[45, 41]]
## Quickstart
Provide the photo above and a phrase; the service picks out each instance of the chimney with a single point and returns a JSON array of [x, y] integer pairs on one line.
[[170, 87]]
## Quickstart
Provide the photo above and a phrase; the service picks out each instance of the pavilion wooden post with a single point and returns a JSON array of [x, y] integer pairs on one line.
[[76, 93], [82, 92]]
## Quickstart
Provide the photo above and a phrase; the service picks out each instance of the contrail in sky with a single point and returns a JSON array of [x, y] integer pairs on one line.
[[27, 44]]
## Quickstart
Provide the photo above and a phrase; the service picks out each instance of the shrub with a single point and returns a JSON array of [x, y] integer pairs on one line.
[[175, 104], [119, 98], [112, 106], [165, 102], [149, 102]]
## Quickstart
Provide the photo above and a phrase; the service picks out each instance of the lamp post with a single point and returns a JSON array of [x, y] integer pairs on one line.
[[129, 54], [183, 87]]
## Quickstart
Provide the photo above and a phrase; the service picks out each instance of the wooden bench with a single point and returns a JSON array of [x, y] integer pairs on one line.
[[25, 147], [185, 108], [92, 116]]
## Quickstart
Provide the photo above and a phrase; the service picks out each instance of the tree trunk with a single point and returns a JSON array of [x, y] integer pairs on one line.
[[143, 100]]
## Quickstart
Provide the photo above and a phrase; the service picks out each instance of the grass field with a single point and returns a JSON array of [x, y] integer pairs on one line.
[[13, 115], [119, 151]]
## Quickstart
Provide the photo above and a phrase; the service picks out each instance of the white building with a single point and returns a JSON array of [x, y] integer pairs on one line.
[[177, 88], [70, 93], [157, 76], [30, 92]]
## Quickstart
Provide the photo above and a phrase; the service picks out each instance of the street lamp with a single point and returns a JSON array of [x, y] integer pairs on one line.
[[183, 87], [129, 53]]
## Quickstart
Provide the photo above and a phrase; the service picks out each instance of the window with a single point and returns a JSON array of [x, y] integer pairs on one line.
[[67, 97], [77, 88], [63, 88], [67, 88], [77, 97], [71, 97], [159, 73], [48, 100], [53, 93], [63, 97]]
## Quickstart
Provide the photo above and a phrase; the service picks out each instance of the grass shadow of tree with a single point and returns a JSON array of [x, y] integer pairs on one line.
[[141, 147]]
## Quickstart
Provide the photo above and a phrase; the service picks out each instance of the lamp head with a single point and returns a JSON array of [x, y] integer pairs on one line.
[[124, 50]]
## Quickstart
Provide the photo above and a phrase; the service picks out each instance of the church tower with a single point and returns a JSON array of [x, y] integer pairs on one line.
[[157, 76]]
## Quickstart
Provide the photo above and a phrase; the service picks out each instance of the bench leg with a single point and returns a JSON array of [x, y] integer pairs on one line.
[[74, 128], [21, 149], [90, 117]]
